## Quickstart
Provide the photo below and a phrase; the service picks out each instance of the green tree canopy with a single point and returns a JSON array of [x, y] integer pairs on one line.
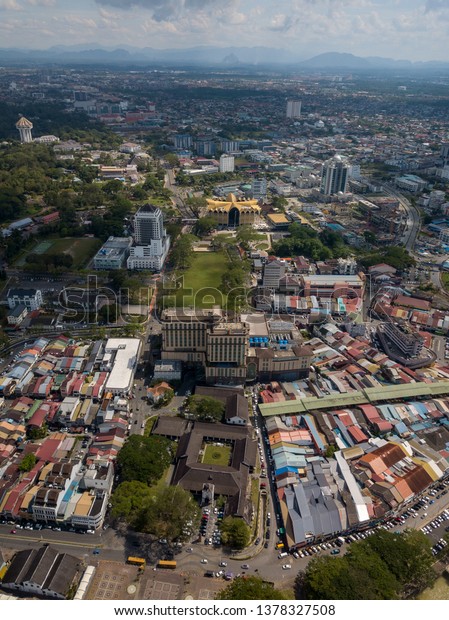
[[28, 462], [235, 533], [205, 408], [129, 499], [182, 252], [249, 589], [144, 458], [397, 257], [168, 512], [408, 556], [384, 566], [204, 225]]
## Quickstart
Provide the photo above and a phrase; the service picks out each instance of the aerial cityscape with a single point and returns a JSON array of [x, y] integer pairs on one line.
[[224, 304]]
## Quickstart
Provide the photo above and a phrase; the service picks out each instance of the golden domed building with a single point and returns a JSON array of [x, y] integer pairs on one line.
[[232, 212]]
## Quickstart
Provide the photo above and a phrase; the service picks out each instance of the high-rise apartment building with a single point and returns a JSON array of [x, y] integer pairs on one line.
[[183, 141], [334, 175], [444, 154], [151, 240], [293, 109], [205, 146], [226, 163]]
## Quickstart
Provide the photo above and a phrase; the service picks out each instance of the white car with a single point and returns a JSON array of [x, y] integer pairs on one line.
[[286, 566], [204, 561]]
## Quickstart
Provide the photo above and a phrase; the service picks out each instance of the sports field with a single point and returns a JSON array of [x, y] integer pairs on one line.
[[82, 249]]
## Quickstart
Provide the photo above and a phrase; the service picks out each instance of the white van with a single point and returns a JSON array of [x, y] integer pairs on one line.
[[283, 554]]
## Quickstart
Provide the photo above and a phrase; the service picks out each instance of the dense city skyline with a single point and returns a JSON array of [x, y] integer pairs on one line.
[[403, 29]]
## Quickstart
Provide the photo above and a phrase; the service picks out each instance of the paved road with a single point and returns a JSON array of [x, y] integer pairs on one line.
[[413, 223]]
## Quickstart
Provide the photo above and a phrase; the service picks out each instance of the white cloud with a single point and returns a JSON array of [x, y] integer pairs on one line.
[[10, 5], [42, 2], [86, 22]]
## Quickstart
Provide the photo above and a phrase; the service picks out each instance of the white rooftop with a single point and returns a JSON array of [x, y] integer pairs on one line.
[[127, 351]]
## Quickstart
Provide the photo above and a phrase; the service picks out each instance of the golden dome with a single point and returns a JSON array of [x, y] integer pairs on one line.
[[24, 123]]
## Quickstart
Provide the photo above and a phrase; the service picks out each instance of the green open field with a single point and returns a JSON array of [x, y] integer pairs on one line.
[[202, 281], [82, 249], [217, 455]]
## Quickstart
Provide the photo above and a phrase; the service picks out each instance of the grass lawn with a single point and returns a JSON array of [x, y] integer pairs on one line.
[[82, 249], [445, 281], [202, 281], [149, 425], [217, 455]]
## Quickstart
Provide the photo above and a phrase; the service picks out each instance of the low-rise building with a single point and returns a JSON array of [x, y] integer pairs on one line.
[[113, 253], [43, 572], [31, 298], [16, 315]]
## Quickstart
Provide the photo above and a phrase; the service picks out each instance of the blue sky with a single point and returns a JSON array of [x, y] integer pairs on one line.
[[411, 29]]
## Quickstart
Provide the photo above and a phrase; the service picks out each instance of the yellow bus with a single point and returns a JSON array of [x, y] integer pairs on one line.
[[166, 564], [136, 561]]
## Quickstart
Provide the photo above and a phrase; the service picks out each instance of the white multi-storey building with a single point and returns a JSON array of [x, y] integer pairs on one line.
[[293, 109], [152, 241], [334, 175], [227, 163]]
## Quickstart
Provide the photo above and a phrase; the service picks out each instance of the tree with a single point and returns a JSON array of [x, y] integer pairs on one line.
[[205, 408], [182, 252], [370, 237], [235, 533], [28, 462], [128, 500], [246, 234], [170, 513], [359, 575], [204, 225], [37, 433], [172, 159], [249, 589], [196, 203], [408, 556], [144, 458], [330, 451], [279, 202], [384, 566]]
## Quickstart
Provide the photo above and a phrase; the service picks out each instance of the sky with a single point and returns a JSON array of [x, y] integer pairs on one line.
[[416, 30]]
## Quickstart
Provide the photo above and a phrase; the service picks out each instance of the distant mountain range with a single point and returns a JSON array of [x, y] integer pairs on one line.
[[208, 56], [336, 60]]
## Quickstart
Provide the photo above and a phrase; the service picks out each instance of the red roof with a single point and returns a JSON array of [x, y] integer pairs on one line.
[[412, 302], [357, 434], [47, 449]]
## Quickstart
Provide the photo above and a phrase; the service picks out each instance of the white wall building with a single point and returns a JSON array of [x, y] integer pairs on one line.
[[334, 176], [152, 241], [227, 163], [121, 356], [293, 109], [29, 297]]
